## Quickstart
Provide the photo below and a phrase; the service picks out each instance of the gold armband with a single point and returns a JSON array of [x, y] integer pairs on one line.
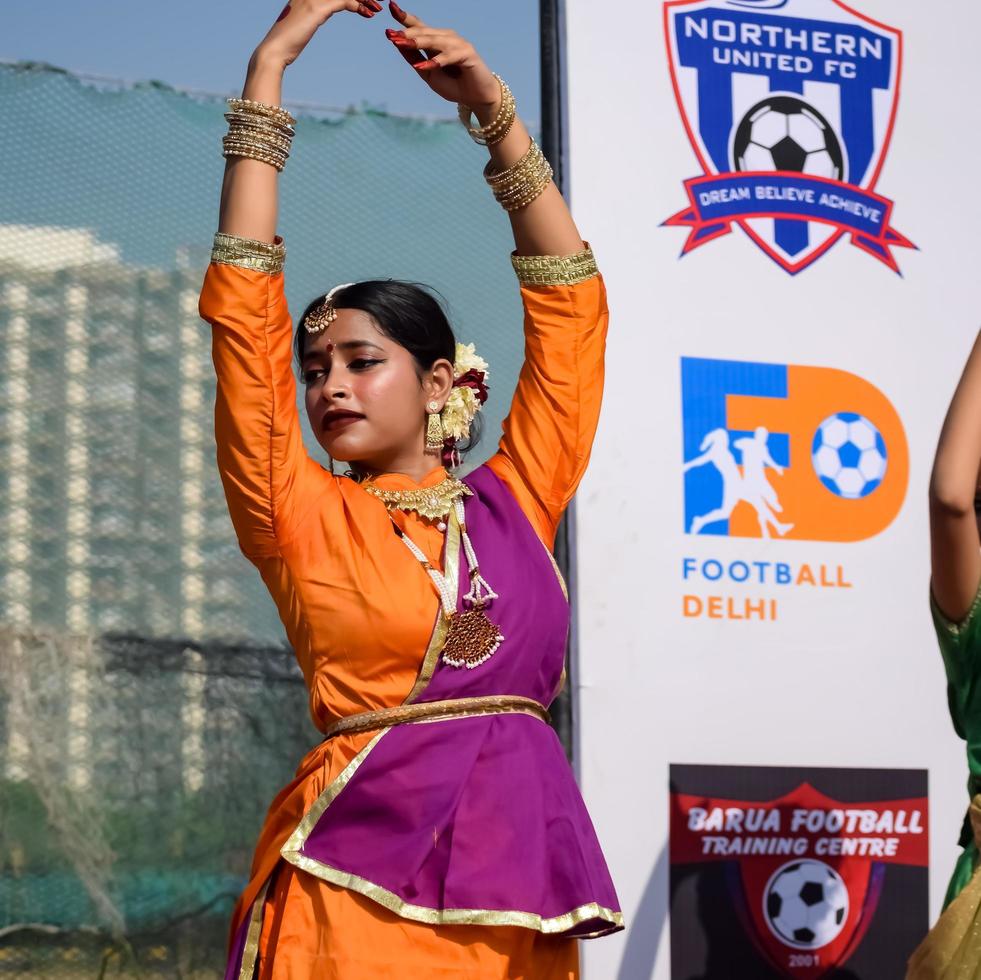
[[555, 270], [247, 253]]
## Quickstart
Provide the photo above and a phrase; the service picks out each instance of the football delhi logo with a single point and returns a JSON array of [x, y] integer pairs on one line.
[[806, 904], [789, 106], [789, 451]]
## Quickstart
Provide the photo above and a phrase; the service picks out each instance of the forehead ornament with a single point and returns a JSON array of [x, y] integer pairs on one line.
[[325, 314]]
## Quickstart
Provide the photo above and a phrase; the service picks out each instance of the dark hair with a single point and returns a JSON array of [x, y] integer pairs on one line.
[[408, 313]]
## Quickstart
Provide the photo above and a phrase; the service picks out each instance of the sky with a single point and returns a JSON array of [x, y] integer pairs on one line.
[[205, 45]]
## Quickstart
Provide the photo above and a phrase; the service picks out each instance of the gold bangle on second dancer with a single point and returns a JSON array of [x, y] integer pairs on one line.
[[500, 126], [522, 183], [259, 132]]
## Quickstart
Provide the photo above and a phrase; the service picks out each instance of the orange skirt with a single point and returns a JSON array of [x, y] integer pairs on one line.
[[313, 929]]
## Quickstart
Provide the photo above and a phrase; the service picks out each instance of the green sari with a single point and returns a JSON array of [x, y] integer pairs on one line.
[[952, 950]]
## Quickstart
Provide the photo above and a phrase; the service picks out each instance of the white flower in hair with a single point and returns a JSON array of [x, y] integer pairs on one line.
[[467, 359], [470, 373]]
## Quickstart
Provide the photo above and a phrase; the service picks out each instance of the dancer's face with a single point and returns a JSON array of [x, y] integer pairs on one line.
[[366, 396]]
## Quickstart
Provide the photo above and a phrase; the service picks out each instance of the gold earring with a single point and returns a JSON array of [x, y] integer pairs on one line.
[[434, 429]]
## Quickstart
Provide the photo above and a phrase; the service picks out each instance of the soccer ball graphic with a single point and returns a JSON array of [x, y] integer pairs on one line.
[[806, 904], [785, 133], [849, 455]]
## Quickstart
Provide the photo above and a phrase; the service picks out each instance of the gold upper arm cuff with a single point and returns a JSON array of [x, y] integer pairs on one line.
[[247, 253], [555, 270]]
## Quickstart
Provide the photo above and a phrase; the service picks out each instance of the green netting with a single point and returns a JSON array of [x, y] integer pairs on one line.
[[149, 708]]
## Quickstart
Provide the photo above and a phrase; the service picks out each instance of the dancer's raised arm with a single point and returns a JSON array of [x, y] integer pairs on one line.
[[249, 201], [453, 69], [549, 431], [955, 542], [270, 481]]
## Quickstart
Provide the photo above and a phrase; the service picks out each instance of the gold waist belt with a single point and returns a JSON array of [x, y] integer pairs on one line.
[[368, 721]]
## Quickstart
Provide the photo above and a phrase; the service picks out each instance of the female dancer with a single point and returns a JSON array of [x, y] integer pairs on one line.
[[953, 948], [437, 830]]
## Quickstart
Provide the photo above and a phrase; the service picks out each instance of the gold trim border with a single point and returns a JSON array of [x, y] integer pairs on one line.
[[460, 917], [555, 270], [248, 253], [558, 574], [250, 953], [330, 793]]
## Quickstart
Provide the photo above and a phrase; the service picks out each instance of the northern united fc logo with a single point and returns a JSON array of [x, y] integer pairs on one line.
[[790, 107]]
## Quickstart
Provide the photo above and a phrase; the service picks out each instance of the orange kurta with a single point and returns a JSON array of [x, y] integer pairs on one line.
[[358, 609]]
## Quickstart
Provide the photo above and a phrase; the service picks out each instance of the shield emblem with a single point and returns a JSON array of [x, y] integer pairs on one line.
[[807, 915], [789, 106], [803, 873]]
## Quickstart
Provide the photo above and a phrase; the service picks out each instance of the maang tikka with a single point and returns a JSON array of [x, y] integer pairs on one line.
[[325, 314]]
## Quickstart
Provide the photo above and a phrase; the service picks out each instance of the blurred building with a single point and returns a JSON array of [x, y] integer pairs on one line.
[[112, 513]]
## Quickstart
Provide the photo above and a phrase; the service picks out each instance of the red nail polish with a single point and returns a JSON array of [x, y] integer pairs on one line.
[[426, 65], [396, 10], [284, 14]]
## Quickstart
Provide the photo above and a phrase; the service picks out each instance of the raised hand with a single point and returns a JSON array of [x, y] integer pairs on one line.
[[300, 20], [447, 62]]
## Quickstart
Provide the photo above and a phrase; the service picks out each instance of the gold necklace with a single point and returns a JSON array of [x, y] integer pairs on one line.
[[471, 637], [432, 503]]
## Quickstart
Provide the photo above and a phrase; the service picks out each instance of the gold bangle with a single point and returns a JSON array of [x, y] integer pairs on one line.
[[498, 178], [254, 150], [244, 139], [260, 136], [262, 109], [523, 182], [258, 131], [258, 126], [249, 153], [500, 126], [251, 119], [530, 198]]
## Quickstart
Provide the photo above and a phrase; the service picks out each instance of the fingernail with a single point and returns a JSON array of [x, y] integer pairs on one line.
[[285, 12], [425, 65], [392, 34], [396, 9]]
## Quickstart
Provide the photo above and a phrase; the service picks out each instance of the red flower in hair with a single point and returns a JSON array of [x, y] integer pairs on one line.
[[473, 379]]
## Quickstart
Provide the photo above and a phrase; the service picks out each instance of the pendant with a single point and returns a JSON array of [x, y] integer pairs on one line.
[[472, 639]]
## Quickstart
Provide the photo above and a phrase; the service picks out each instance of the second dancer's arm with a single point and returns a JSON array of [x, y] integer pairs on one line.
[[954, 489]]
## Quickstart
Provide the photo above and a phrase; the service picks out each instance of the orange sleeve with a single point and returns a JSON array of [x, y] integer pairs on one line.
[[270, 481], [548, 434]]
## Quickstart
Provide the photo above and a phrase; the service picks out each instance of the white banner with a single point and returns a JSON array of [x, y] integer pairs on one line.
[[774, 192]]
